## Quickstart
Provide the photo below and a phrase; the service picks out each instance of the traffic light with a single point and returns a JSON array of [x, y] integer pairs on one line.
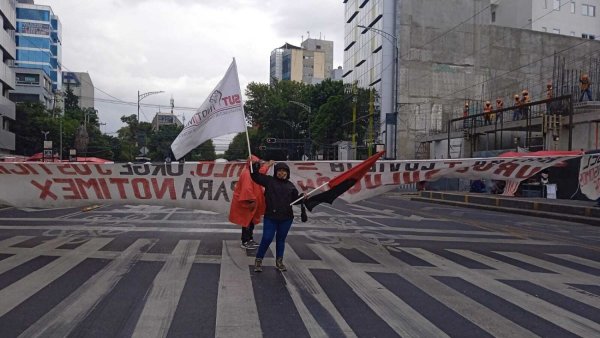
[[262, 147], [271, 140]]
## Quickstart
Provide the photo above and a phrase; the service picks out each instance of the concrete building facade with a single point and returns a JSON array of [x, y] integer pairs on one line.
[[33, 85], [578, 18], [82, 86], [165, 119], [7, 75]]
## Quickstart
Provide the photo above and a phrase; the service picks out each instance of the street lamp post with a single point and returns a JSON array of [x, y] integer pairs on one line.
[[141, 97], [390, 142], [309, 110]]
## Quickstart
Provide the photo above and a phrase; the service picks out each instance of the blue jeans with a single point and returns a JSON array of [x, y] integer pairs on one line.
[[587, 93], [270, 227]]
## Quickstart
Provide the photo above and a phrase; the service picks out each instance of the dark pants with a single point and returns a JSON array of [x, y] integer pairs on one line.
[[587, 93], [247, 233], [272, 228]]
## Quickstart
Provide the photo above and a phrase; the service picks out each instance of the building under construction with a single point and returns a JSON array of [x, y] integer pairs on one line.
[[558, 121]]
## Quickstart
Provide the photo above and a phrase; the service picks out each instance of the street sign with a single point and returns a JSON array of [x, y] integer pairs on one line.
[[47, 144], [144, 151]]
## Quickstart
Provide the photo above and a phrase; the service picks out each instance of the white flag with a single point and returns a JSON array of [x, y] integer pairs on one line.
[[221, 113]]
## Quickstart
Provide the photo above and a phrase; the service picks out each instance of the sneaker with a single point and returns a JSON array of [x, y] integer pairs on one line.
[[245, 245], [279, 264], [252, 244], [258, 265]]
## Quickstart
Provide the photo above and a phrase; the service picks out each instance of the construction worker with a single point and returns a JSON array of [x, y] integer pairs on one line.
[[499, 106], [525, 100], [584, 85], [465, 115], [487, 113], [517, 110]]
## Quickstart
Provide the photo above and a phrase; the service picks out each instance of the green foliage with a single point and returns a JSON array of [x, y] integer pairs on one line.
[[269, 109], [238, 148]]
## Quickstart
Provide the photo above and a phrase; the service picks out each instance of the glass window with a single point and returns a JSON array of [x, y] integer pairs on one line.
[[556, 30], [556, 5], [33, 28], [32, 42], [33, 14], [27, 79], [572, 7], [544, 29], [33, 55], [572, 33], [588, 10]]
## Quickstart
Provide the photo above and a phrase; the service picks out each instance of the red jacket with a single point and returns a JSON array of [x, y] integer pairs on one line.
[[246, 191]]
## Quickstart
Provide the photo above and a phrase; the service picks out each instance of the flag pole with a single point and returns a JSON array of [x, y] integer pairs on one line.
[[245, 125], [310, 193]]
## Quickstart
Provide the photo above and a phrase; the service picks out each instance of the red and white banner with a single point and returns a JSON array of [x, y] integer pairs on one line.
[[209, 185], [221, 113], [589, 176]]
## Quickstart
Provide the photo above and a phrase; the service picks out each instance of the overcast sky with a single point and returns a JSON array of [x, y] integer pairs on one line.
[[182, 47]]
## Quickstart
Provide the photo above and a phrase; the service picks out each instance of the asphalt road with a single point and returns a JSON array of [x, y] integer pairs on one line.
[[384, 267]]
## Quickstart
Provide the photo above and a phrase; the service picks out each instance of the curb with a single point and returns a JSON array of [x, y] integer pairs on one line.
[[576, 214]]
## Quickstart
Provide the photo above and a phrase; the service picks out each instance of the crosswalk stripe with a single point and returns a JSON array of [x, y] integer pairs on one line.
[[426, 236], [167, 287], [5, 243], [577, 259], [72, 310], [237, 314], [478, 314], [556, 315], [301, 281], [563, 270], [31, 253], [16, 293], [507, 271], [402, 318]]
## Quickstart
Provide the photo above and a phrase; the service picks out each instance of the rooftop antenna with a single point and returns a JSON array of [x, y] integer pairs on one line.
[[320, 36], [172, 104], [307, 35], [301, 39]]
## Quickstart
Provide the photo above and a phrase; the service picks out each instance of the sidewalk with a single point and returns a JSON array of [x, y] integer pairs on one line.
[[569, 210]]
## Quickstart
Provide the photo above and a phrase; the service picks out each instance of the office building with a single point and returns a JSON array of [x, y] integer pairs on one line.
[[32, 85], [39, 41], [311, 63], [578, 18], [165, 119], [82, 86], [7, 75]]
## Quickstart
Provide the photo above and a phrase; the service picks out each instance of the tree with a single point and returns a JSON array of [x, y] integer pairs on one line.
[[238, 148]]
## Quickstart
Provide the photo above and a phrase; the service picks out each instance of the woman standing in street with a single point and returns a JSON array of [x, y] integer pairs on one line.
[[279, 215]]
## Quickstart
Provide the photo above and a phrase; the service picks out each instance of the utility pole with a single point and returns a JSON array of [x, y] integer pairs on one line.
[[309, 110], [371, 113], [354, 101]]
